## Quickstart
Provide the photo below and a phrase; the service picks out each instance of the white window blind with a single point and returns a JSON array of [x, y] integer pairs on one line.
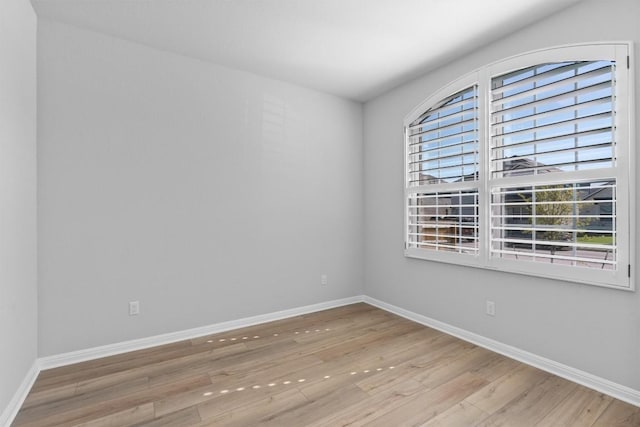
[[554, 122], [526, 165], [566, 224], [444, 221], [442, 175], [443, 143]]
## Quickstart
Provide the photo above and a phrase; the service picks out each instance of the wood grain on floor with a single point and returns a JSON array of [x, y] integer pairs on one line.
[[350, 366]]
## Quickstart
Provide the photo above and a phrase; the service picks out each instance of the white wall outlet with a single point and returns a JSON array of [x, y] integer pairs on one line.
[[324, 280], [491, 308], [134, 308]]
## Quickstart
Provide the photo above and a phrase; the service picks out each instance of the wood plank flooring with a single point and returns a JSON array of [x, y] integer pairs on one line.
[[355, 365]]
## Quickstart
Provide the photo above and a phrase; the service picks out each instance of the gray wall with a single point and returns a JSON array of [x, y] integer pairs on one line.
[[589, 328], [210, 194], [18, 286], [205, 193]]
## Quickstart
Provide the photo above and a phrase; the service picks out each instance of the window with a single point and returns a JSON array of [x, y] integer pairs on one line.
[[525, 166], [443, 159]]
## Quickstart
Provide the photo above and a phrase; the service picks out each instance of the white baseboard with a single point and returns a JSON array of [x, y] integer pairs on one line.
[[64, 359], [8, 415], [586, 379]]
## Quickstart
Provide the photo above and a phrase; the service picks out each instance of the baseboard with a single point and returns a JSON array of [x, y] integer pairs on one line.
[[64, 359], [8, 415], [586, 379]]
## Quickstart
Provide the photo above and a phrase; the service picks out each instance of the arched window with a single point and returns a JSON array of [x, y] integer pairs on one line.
[[525, 166]]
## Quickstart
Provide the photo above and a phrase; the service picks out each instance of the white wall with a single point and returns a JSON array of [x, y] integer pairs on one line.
[[593, 329], [205, 193], [18, 281]]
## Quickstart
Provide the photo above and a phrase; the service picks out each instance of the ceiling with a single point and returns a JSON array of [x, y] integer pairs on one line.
[[356, 49]]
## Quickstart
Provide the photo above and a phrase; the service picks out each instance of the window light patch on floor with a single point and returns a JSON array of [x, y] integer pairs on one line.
[[300, 380]]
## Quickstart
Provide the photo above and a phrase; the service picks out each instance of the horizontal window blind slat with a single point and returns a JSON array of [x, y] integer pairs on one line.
[[443, 180], [464, 227], [438, 130], [543, 103], [501, 87], [435, 159], [445, 236], [556, 257], [552, 229], [444, 138], [469, 147], [577, 217], [513, 75], [460, 249], [458, 205], [581, 134], [468, 95], [543, 243], [465, 205], [604, 183], [467, 109], [457, 193], [587, 90], [536, 79], [578, 121], [537, 90], [439, 168], [555, 202], [557, 166], [579, 149], [574, 107]]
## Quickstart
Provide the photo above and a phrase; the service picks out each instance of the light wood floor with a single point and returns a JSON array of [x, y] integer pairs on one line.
[[354, 365]]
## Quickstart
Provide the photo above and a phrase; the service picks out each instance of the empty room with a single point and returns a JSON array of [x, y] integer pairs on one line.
[[319, 213]]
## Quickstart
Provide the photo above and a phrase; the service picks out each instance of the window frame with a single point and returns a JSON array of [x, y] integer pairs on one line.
[[440, 187], [461, 84], [624, 155]]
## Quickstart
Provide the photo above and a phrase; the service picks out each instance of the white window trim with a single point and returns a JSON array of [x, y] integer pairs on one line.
[[622, 52]]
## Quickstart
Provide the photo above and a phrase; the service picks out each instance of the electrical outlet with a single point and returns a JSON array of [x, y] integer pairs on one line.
[[134, 308], [491, 308], [324, 280]]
